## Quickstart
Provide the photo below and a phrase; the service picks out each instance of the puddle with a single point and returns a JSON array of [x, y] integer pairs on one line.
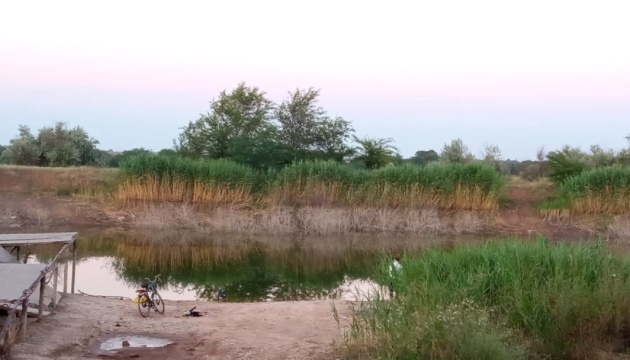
[[135, 341]]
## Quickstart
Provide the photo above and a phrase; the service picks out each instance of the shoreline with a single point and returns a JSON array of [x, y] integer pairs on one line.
[[20, 211], [271, 330]]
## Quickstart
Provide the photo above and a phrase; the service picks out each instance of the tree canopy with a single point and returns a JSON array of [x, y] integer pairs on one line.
[[56, 145], [245, 126]]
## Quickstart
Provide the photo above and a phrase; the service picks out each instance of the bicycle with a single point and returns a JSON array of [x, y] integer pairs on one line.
[[149, 298]]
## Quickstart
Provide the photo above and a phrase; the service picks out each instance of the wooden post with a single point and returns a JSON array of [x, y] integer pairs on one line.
[[65, 278], [23, 318], [42, 289], [74, 263], [55, 274]]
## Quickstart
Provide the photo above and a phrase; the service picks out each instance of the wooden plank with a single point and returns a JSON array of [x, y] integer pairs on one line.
[[15, 278], [65, 277], [23, 320], [74, 264], [55, 274], [41, 238], [42, 289]]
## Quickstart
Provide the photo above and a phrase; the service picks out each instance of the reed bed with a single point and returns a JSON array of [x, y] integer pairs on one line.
[[599, 191], [168, 178], [444, 186], [312, 183], [501, 300], [310, 220]]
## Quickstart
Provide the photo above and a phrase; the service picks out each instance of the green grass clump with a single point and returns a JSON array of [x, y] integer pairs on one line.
[[310, 183], [170, 178], [603, 190], [500, 300], [448, 186]]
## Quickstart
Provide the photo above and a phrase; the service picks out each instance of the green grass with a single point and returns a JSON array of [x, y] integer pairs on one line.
[[313, 183], [501, 300], [603, 190], [448, 186], [172, 168]]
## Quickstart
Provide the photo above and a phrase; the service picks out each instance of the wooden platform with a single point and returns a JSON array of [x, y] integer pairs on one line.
[[15, 278], [30, 239]]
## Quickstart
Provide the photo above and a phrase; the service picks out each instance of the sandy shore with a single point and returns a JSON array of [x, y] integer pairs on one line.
[[271, 330]]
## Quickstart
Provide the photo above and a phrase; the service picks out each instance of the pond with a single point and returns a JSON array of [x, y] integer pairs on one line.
[[196, 265]]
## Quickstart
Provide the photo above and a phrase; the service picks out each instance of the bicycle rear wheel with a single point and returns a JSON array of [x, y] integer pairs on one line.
[[158, 304], [144, 307]]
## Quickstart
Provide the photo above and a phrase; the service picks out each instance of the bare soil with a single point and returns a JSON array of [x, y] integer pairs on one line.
[[272, 330]]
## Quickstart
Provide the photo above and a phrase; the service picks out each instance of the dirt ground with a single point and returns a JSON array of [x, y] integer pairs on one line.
[[271, 330]]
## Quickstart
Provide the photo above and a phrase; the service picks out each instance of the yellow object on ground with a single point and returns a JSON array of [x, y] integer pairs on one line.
[[139, 299]]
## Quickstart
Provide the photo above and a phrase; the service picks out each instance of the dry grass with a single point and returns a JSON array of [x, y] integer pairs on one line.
[[34, 180], [18, 217], [602, 204], [309, 220], [329, 194], [619, 229], [153, 189], [8, 218]]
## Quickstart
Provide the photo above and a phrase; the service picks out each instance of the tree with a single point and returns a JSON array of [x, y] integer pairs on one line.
[[423, 157], [261, 152], [456, 152], [600, 157], [22, 149], [234, 117], [375, 153], [118, 158], [167, 152], [61, 146], [306, 130], [491, 155], [2, 148], [567, 162]]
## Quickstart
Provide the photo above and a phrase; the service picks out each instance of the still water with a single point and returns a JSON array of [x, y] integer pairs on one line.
[[196, 266]]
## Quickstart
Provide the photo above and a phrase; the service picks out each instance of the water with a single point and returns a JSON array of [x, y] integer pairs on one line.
[[135, 341], [196, 266]]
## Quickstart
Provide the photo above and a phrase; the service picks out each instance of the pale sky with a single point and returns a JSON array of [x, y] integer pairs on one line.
[[518, 74]]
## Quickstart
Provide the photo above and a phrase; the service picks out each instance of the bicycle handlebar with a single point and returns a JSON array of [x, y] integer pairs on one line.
[[156, 279]]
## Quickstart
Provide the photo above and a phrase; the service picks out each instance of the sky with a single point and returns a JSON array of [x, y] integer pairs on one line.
[[516, 74]]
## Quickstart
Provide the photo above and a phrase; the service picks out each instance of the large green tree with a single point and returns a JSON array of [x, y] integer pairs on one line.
[[57, 145], [63, 146], [423, 157], [245, 126], [307, 131], [23, 149], [235, 117]]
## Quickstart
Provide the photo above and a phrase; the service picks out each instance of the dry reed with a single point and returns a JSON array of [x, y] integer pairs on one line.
[[151, 188], [310, 220]]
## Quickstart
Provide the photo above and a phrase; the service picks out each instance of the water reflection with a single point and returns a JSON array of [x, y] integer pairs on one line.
[[198, 265]]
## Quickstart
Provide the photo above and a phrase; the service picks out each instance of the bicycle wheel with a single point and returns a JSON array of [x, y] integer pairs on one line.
[[144, 307], [158, 304]]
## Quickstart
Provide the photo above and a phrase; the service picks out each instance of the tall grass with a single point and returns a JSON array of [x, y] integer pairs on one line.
[[500, 300], [313, 183], [602, 190], [169, 178], [446, 186]]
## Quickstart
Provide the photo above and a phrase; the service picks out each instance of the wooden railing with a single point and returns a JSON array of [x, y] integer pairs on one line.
[[14, 325]]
